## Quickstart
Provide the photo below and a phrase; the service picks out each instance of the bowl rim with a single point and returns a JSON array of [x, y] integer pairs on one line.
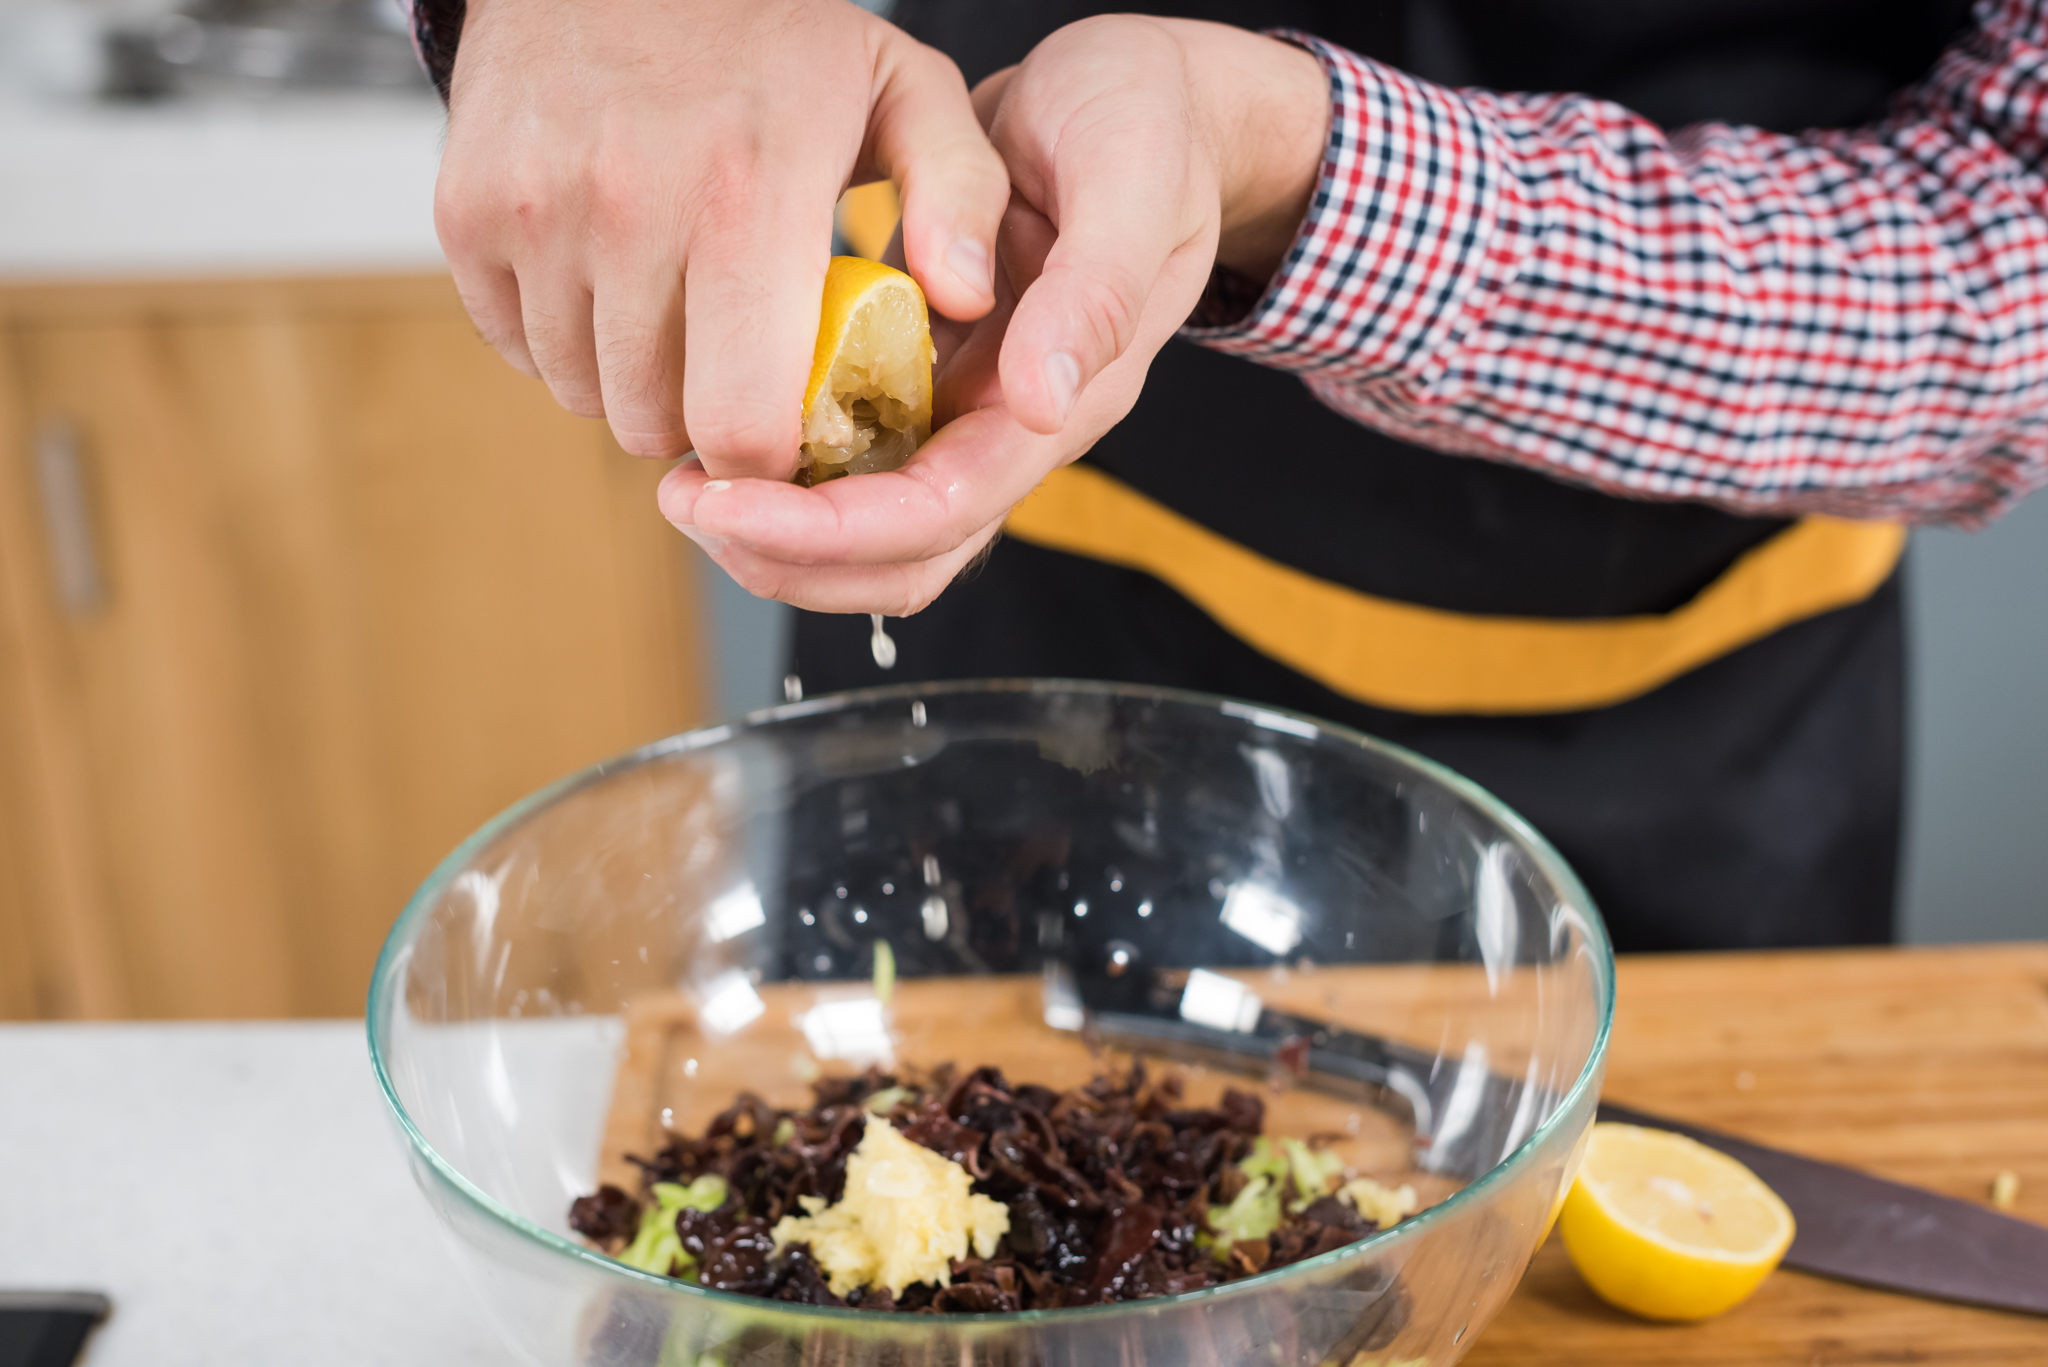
[[1267, 716]]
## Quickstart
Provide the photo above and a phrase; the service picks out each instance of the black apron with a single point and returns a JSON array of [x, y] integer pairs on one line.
[[1752, 802]]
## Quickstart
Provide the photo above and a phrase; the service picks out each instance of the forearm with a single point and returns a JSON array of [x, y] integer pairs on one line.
[[1853, 322]]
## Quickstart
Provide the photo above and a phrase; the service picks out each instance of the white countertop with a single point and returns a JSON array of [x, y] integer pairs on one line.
[[236, 1190], [301, 185]]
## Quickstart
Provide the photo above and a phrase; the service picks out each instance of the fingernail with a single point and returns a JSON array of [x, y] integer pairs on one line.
[[968, 259], [712, 486], [1063, 378], [711, 544]]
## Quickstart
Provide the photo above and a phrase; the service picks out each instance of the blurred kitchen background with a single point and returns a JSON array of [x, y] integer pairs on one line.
[[299, 583]]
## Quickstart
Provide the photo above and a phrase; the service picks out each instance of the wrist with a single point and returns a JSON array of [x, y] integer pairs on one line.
[[1263, 107]]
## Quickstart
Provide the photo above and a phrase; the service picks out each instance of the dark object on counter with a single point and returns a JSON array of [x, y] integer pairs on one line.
[[47, 1328], [1108, 1187]]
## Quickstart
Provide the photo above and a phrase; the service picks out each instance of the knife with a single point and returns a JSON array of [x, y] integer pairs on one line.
[[1852, 1226], [1857, 1228]]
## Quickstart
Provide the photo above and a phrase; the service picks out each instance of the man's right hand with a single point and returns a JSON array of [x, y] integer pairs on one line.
[[636, 201]]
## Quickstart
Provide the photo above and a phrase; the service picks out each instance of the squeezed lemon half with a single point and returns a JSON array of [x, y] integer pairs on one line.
[[868, 405], [1668, 1228]]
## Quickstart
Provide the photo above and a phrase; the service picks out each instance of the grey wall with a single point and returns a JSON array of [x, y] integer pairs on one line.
[[1977, 805], [1977, 785], [750, 641]]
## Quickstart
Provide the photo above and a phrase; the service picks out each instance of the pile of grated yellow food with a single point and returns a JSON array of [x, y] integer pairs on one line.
[[906, 1215]]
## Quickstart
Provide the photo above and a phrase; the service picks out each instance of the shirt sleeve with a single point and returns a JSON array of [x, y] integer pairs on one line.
[[436, 27], [1851, 322]]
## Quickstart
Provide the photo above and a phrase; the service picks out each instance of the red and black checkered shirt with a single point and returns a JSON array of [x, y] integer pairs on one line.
[[1853, 322]]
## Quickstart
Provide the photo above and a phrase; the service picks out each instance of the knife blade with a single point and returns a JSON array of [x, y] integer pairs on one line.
[[1854, 1227], [1851, 1226]]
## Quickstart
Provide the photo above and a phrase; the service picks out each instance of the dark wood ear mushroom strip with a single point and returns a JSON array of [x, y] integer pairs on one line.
[[1108, 1186]]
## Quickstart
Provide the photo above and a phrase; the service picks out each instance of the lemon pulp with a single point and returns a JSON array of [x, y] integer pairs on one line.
[[868, 405]]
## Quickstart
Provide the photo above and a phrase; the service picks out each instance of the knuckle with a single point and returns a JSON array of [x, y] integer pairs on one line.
[[633, 359], [489, 316], [980, 176], [1100, 39], [916, 587], [463, 212], [728, 186], [912, 599], [553, 347], [1104, 304], [581, 400], [742, 427], [475, 213], [943, 542], [621, 191], [530, 196], [659, 444], [1096, 28], [649, 431], [633, 380]]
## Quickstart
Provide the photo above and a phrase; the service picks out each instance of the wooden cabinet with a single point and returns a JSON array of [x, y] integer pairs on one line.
[[299, 583]]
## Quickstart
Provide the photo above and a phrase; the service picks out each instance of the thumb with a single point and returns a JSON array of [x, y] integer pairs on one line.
[[1107, 159], [924, 136]]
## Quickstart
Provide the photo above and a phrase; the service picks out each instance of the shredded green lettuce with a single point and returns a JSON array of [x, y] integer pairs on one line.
[[1264, 1161], [885, 972], [656, 1247], [1314, 1173], [881, 1101], [1254, 1214]]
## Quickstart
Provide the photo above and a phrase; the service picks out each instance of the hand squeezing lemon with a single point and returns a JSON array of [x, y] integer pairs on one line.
[[1668, 1228], [868, 405]]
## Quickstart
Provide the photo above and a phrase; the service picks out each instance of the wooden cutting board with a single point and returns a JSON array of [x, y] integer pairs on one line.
[[1927, 1066], [675, 1076]]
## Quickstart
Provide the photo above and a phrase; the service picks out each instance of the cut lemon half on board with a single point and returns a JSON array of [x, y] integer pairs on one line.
[[1668, 1228], [868, 405]]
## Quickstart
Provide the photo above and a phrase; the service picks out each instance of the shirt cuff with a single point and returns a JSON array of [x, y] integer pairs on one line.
[[1401, 243], [436, 28]]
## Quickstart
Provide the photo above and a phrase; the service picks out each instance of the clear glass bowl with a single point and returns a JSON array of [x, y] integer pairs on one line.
[[1062, 871]]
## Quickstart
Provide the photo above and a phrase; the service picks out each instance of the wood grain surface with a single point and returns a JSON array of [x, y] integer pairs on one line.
[[1925, 1066]]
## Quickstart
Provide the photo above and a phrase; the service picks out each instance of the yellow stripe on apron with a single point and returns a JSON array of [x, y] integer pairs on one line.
[[1414, 659]]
